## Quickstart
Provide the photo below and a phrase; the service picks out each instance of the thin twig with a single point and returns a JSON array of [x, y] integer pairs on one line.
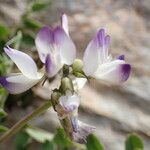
[[24, 121]]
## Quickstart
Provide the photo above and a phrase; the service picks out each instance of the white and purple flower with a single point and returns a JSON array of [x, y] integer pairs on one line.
[[70, 103], [82, 132], [20, 82], [99, 64], [55, 47]]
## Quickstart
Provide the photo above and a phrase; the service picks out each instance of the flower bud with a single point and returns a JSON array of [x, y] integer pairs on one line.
[[66, 85], [77, 66], [77, 69]]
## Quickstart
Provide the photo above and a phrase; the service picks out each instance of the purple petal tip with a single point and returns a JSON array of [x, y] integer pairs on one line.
[[7, 49], [3, 81], [121, 57], [125, 71]]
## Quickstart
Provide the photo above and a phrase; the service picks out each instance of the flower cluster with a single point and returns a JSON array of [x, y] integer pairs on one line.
[[57, 52]]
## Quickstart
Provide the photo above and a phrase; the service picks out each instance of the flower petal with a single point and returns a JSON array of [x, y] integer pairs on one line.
[[66, 46], [101, 37], [79, 83], [74, 121], [104, 42], [96, 52], [52, 66], [64, 23], [115, 72], [44, 41], [91, 57], [23, 61], [83, 131], [70, 102], [18, 83]]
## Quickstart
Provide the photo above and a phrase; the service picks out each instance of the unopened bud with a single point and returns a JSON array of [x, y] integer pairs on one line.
[[77, 66], [77, 69], [66, 85]]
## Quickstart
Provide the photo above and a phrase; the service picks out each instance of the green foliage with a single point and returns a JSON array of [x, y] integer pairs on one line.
[[134, 142], [61, 139], [49, 145], [32, 24], [3, 129], [22, 140], [39, 6], [2, 113], [4, 31], [2, 44], [16, 40], [93, 143], [5, 66], [4, 34], [27, 40], [39, 135]]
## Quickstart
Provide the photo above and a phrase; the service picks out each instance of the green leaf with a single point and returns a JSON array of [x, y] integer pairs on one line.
[[22, 140], [134, 142], [27, 40], [32, 24], [48, 145], [16, 40], [93, 143], [3, 129], [2, 44], [2, 113], [40, 6], [39, 135], [61, 139], [4, 31]]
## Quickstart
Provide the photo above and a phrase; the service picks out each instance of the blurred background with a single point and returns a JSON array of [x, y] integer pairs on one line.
[[114, 110]]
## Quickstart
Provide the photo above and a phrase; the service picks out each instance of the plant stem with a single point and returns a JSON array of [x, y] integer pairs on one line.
[[24, 121]]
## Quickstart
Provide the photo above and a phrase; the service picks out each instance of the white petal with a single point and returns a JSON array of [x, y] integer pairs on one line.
[[70, 102], [91, 58], [23, 61], [18, 83], [44, 41], [65, 45], [115, 72], [79, 83], [83, 131], [96, 52], [64, 23]]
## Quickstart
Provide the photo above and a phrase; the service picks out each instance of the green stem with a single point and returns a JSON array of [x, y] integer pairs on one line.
[[24, 121]]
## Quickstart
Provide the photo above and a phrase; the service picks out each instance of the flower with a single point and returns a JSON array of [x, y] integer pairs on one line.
[[20, 82], [70, 102], [55, 47], [99, 64], [82, 132]]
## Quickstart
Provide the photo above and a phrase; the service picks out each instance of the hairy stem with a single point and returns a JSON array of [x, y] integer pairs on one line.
[[24, 121]]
